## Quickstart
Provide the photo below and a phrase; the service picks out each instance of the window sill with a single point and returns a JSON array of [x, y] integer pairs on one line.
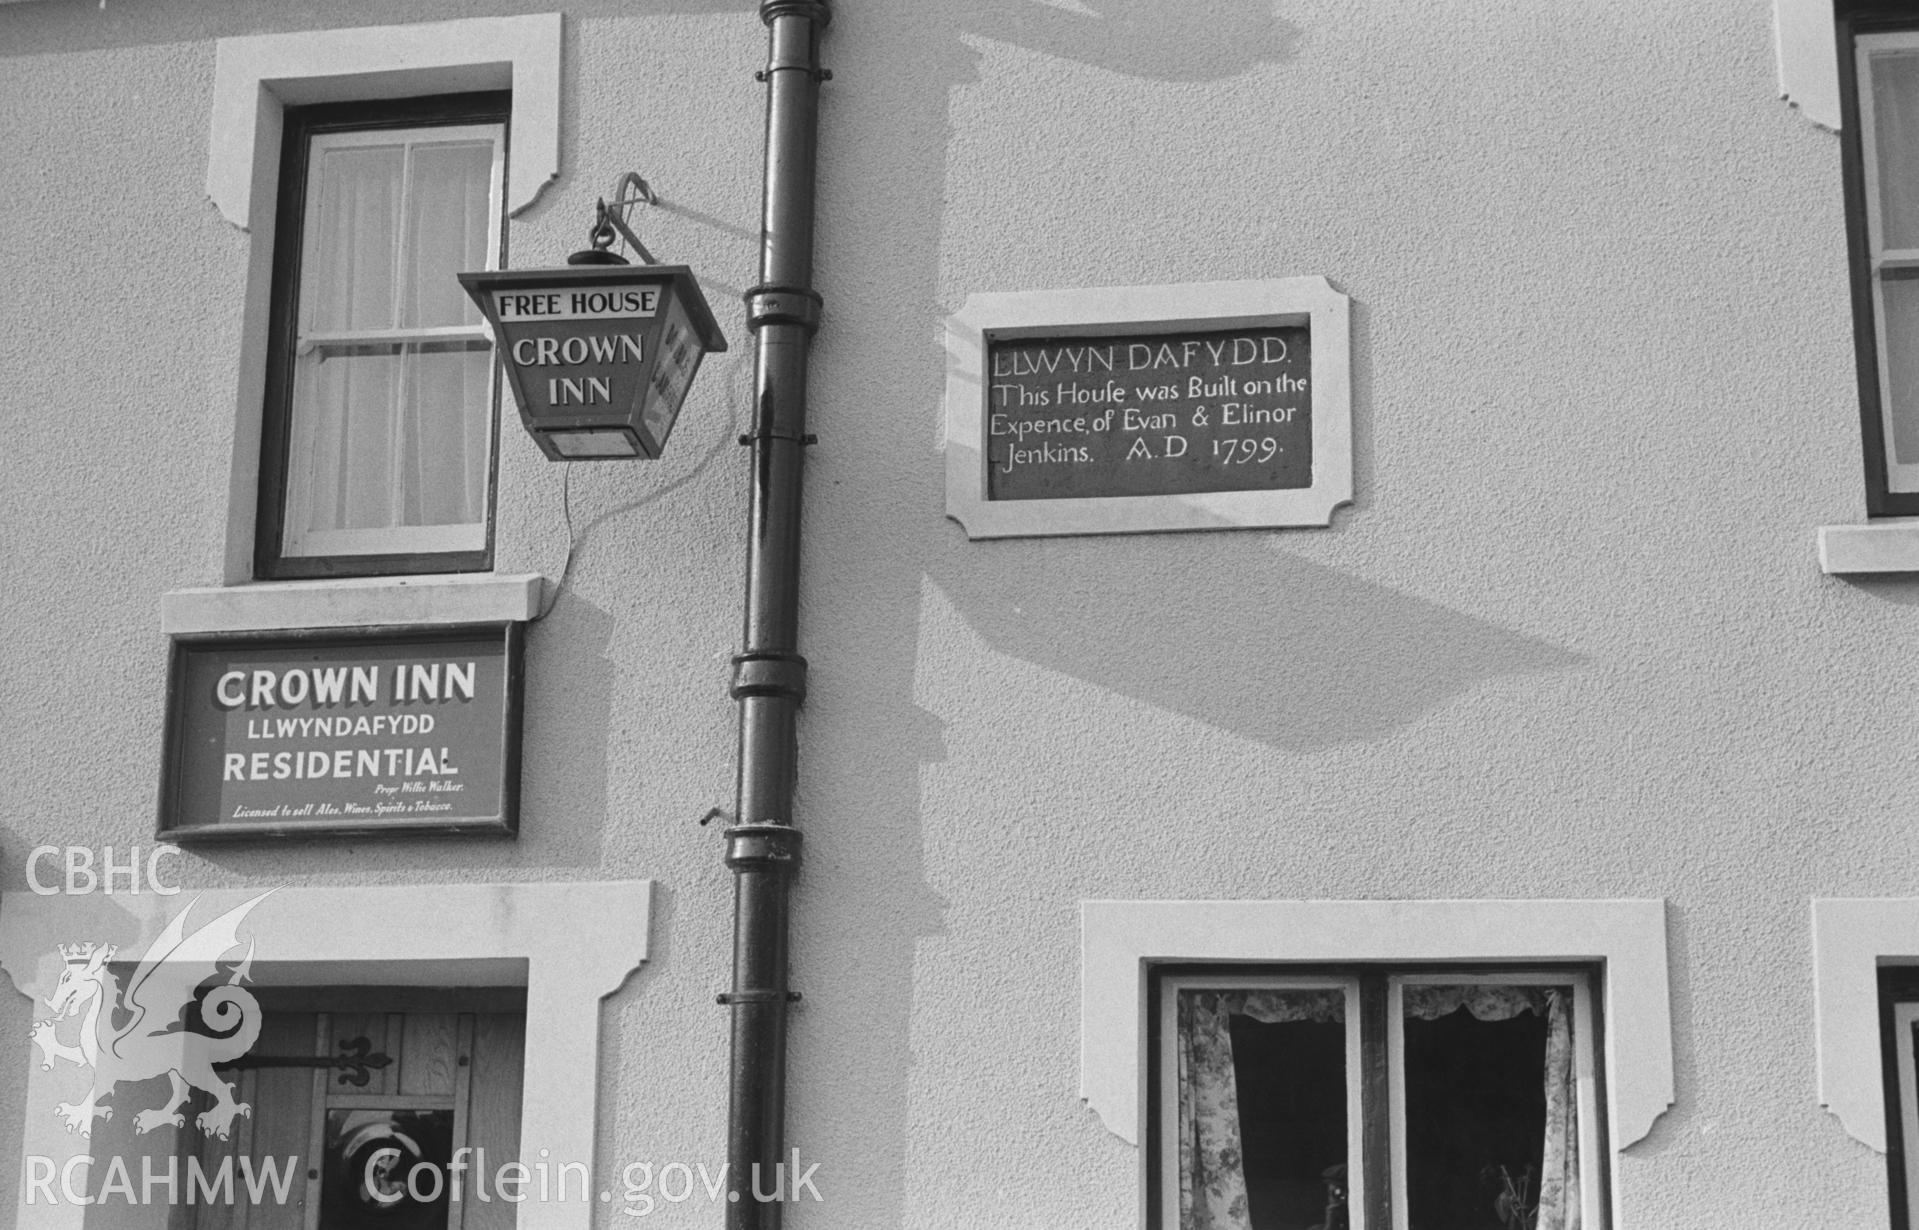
[[1851, 939], [474, 598], [1890, 545]]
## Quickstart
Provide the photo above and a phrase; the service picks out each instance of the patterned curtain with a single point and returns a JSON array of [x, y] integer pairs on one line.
[[1484, 1001], [1559, 1166], [1212, 1176]]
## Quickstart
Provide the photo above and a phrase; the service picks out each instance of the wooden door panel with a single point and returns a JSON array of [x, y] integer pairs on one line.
[[493, 1110], [426, 1053]]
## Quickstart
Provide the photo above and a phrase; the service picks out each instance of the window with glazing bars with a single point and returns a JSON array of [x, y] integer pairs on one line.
[[380, 424]]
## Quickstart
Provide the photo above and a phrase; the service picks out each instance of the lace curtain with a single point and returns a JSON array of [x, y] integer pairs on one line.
[[1212, 1175], [390, 409]]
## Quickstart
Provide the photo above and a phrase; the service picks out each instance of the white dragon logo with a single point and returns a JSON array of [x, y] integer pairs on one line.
[[154, 1035]]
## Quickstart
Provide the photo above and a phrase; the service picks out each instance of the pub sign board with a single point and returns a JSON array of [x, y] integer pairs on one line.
[[1214, 405], [384, 733], [599, 357]]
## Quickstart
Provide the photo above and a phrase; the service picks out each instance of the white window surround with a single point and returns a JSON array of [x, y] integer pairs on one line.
[[1888, 544], [1851, 939], [255, 79], [571, 945], [1119, 939], [1807, 43]]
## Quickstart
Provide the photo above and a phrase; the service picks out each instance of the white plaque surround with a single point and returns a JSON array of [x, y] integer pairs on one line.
[[1311, 302]]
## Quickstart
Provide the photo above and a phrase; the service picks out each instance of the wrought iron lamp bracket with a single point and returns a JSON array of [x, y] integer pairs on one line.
[[609, 219]]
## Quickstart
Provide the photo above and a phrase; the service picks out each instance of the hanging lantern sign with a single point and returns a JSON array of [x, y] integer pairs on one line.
[[600, 353]]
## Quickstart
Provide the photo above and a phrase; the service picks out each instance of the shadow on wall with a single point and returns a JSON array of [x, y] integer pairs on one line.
[[18, 1011], [569, 683], [1194, 40], [865, 913], [1235, 633], [1902, 589], [886, 130]]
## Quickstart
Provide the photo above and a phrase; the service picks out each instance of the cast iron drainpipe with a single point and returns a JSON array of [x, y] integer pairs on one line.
[[769, 679]]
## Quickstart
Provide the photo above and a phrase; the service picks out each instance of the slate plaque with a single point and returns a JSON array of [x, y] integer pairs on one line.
[[1143, 409], [1149, 414], [371, 734]]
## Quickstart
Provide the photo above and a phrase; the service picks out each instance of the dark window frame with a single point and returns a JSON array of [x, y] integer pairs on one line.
[[1852, 21], [1375, 1073], [1898, 984], [301, 125]]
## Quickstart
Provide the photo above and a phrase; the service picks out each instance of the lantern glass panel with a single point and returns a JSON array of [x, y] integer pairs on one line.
[[572, 444]]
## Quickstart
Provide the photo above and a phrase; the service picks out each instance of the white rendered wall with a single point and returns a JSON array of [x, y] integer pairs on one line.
[[1570, 641]]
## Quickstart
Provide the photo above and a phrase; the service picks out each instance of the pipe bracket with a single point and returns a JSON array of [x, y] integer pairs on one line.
[[766, 74], [770, 674], [764, 995], [815, 11], [783, 305], [762, 847]]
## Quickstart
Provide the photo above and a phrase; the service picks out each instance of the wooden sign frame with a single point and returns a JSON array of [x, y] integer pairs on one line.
[[1311, 302], [426, 800]]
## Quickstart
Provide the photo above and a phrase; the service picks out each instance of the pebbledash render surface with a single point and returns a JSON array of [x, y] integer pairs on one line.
[[1550, 689]]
